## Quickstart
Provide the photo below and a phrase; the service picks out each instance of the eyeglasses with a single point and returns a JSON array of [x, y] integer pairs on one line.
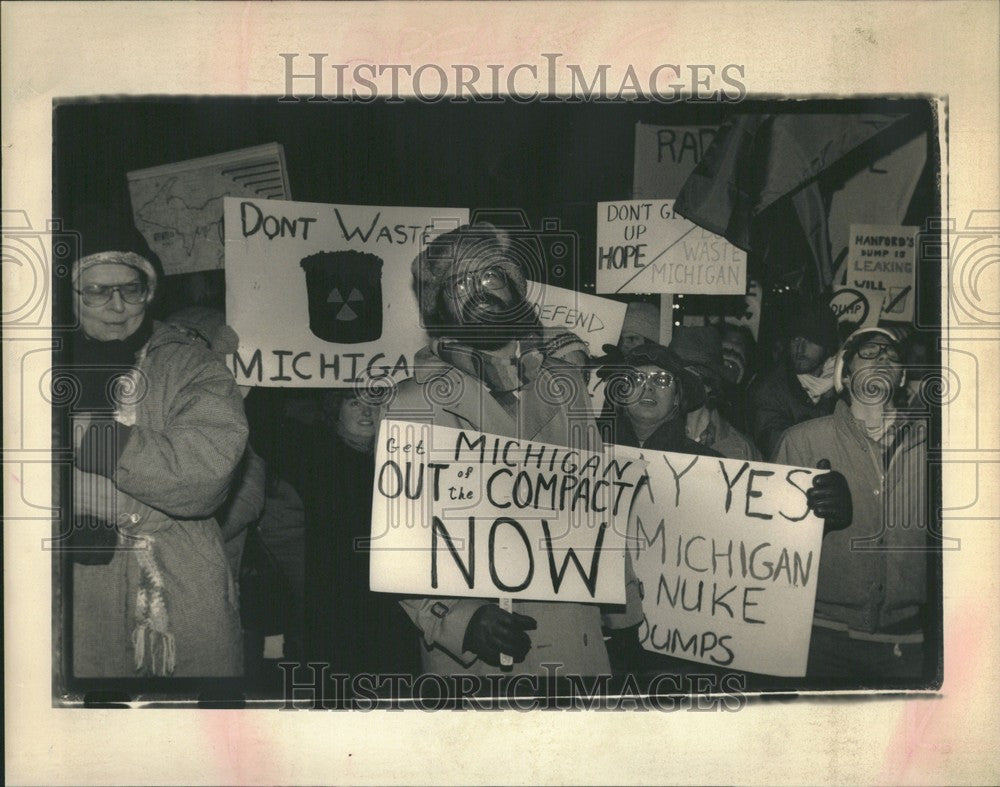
[[662, 380], [491, 278], [872, 350], [133, 292]]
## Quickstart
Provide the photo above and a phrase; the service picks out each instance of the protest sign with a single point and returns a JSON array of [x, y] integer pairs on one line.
[[464, 513], [727, 552], [598, 321], [644, 247], [859, 307], [322, 295], [665, 156], [178, 207], [881, 263]]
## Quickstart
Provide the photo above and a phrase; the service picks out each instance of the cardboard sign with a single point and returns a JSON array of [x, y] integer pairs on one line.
[[322, 295], [644, 247], [598, 321], [178, 207], [728, 553], [881, 262], [462, 513], [665, 156]]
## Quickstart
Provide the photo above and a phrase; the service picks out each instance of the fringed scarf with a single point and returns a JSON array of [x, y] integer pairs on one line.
[[110, 379], [155, 649]]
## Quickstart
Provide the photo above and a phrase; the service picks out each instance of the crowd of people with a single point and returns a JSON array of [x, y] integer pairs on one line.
[[203, 522]]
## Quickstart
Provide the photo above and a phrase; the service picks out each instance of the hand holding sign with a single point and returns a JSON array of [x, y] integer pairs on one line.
[[829, 498], [492, 632]]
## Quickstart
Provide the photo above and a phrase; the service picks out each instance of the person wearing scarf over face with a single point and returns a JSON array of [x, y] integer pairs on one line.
[[800, 387], [488, 368], [158, 431]]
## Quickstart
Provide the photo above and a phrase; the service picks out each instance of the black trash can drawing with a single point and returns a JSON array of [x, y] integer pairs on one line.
[[345, 296]]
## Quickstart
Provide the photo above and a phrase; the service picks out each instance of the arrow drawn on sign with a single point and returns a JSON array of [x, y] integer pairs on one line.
[[646, 266]]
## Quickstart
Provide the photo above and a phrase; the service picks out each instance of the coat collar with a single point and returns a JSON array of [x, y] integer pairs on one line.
[[468, 398]]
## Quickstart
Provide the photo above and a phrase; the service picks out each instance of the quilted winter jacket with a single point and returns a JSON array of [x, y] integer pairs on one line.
[[169, 574]]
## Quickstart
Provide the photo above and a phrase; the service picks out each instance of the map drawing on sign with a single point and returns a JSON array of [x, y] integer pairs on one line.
[[178, 207]]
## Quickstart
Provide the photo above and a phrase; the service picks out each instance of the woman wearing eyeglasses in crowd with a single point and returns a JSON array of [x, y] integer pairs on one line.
[[652, 393], [158, 432]]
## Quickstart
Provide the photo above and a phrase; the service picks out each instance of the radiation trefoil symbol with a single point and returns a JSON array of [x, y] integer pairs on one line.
[[344, 289], [345, 313]]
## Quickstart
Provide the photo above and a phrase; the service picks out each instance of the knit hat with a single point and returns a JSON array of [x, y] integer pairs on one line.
[[699, 347], [127, 258], [815, 322], [643, 319], [896, 335], [466, 248], [649, 354]]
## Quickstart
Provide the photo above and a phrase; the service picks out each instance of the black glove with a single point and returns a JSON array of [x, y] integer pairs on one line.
[[829, 498], [91, 541], [492, 631], [609, 364]]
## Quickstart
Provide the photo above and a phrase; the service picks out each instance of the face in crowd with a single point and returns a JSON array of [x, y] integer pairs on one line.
[[629, 341], [876, 369], [112, 301], [734, 356], [354, 419], [806, 356], [656, 395], [481, 296]]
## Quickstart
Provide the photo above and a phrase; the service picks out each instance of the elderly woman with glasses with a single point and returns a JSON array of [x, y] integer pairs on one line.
[[158, 430]]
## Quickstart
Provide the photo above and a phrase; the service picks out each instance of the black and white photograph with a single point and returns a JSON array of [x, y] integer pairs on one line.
[[408, 389]]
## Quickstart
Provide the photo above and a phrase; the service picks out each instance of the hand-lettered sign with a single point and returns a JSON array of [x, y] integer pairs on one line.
[[727, 553], [881, 263], [665, 156], [598, 321], [644, 247], [322, 295], [463, 513]]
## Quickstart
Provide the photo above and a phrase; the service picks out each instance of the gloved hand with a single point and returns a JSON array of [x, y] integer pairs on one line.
[[829, 498], [492, 631], [609, 364]]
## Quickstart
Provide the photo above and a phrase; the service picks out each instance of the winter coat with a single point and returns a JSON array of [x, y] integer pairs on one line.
[[166, 604], [568, 633], [777, 401], [873, 574]]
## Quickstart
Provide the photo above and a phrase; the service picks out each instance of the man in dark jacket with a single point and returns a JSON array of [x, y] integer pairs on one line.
[[800, 387]]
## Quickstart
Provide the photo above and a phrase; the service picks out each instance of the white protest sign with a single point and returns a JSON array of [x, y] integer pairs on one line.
[[597, 321], [644, 247], [462, 513], [322, 295], [881, 262], [727, 552], [665, 156], [178, 207]]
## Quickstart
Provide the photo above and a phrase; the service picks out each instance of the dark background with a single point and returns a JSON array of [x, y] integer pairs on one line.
[[550, 160]]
